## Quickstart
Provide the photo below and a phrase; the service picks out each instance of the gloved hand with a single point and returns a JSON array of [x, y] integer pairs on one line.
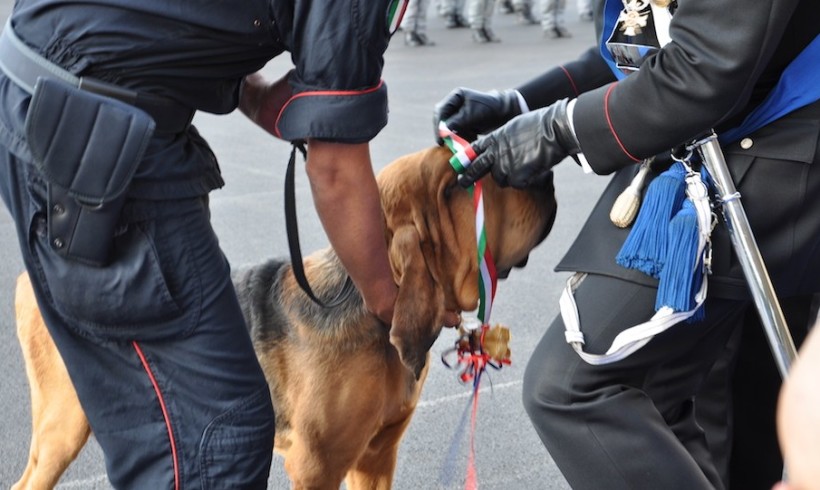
[[469, 113], [522, 152]]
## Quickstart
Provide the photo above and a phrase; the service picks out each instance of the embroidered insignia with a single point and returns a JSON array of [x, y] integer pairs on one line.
[[634, 16]]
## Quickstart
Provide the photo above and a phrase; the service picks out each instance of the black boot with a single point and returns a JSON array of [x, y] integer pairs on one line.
[[505, 7], [413, 38], [484, 35], [454, 21], [525, 16]]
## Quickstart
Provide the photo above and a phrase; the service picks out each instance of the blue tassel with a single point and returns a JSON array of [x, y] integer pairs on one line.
[[682, 275], [700, 313], [706, 177], [645, 249]]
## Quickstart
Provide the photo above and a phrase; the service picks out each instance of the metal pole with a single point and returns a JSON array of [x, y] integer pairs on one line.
[[774, 323]]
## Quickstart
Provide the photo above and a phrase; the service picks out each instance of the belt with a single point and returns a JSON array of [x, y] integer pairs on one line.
[[24, 66]]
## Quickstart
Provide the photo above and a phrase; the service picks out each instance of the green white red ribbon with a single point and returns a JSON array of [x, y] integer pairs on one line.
[[395, 13], [463, 155], [475, 359]]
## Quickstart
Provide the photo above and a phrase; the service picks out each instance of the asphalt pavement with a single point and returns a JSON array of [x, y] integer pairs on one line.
[[249, 218]]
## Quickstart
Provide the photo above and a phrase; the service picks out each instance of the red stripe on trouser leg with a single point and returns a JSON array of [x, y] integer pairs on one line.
[[164, 412]]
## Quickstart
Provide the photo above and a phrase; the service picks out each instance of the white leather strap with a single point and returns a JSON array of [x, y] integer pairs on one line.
[[633, 338]]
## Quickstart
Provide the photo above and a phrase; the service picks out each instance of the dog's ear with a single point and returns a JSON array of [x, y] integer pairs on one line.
[[456, 265], [418, 310], [431, 234]]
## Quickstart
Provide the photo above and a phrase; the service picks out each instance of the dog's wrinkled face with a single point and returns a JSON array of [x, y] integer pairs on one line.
[[432, 242]]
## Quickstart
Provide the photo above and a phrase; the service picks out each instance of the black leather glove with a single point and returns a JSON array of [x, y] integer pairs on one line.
[[522, 152], [469, 113]]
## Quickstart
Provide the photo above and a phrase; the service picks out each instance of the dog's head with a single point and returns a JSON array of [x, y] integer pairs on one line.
[[431, 236]]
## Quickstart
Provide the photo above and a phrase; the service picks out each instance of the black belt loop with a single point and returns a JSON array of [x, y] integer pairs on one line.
[[293, 234]]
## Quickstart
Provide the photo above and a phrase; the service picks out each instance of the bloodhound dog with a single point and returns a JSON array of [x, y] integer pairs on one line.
[[344, 387]]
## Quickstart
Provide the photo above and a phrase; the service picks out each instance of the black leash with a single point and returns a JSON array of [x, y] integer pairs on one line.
[[293, 235]]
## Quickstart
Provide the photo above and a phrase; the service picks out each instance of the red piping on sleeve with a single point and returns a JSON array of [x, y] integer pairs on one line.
[[320, 93], [164, 412], [612, 128], [571, 81]]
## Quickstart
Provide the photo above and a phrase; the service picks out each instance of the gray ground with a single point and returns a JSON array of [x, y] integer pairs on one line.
[[249, 219]]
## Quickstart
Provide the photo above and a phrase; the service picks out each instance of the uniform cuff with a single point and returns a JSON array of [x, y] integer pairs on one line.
[[343, 116], [594, 128], [522, 102], [579, 157]]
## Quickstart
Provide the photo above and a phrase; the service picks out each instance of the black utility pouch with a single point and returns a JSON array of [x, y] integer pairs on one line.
[[87, 147]]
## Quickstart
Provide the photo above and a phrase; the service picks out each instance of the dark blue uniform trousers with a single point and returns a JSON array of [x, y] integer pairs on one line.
[[155, 343]]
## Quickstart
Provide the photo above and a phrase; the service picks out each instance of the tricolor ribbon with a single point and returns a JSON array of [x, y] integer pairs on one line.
[[463, 155], [463, 152], [395, 14], [471, 354]]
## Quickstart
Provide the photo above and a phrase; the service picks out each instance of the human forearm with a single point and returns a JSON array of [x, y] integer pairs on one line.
[[262, 100], [347, 200], [569, 80]]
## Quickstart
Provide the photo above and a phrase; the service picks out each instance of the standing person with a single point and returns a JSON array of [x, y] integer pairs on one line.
[[552, 19], [415, 23], [748, 70], [108, 185], [480, 16]]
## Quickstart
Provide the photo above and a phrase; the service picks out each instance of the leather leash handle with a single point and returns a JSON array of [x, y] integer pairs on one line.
[[293, 235]]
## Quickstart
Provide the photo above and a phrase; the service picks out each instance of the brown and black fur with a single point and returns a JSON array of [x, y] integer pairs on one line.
[[344, 386]]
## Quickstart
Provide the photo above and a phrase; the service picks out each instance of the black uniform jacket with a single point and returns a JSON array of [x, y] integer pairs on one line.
[[197, 53], [724, 58]]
